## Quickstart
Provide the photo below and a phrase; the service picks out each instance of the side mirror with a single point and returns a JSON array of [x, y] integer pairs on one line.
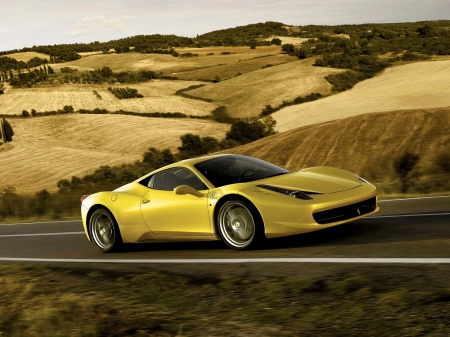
[[186, 189]]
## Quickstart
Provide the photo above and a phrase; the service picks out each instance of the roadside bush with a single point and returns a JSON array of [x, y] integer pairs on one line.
[[403, 166]]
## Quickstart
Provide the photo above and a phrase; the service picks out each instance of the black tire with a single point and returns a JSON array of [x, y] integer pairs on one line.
[[239, 225], [104, 231]]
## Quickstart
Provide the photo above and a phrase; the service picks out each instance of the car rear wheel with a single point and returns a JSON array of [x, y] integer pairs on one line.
[[104, 231], [238, 225]]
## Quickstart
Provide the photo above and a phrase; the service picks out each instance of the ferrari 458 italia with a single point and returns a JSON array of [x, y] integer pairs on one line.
[[238, 199]]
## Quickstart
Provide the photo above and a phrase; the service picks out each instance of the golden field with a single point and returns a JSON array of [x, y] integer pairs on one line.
[[159, 96], [168, 64], [26, 56], [352, 142], [45, 150], [227, 71], [247, 95], [419, 85]]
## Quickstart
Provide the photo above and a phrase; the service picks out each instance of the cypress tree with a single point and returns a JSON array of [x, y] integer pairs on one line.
[[8, 130]]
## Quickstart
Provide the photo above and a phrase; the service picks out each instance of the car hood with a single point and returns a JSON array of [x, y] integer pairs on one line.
[[315, 180]]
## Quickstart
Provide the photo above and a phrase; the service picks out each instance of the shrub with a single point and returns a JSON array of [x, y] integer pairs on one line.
[[403, 166]]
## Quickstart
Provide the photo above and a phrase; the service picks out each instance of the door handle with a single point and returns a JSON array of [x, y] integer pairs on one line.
[[145, 201]]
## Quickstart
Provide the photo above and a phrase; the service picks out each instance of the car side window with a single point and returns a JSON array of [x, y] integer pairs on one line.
[[169, 179]]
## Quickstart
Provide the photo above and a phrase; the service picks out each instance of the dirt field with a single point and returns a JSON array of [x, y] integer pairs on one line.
[[47, 149], [158, 97], [420, 85], [25, 57], [247, 95], [352, 142], [167, 63]]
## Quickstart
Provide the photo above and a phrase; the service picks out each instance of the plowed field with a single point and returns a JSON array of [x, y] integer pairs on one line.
[[158, 97], [47, 149]]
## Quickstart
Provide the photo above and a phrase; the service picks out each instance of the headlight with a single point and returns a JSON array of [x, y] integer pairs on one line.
[[291, 193], [362, 179]]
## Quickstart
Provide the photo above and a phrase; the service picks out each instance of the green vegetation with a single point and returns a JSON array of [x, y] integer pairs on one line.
[[88, 302], [182, 92], [125, 93], [6, 131], [68, 70], [298, 100], [97, 94]]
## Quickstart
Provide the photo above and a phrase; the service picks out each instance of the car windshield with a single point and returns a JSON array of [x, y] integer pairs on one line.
[[234, 169]]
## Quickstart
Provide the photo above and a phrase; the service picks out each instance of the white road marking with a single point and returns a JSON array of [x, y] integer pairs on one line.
[[39, 234], [404, 215], [249, 260]]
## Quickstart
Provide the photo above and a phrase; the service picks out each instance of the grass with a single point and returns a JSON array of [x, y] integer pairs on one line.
[[247, 95], [37, 301], [420, 85], [26, 56], [228, 71]]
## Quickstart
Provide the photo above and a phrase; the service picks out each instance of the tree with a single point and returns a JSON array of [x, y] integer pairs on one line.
[[25, 113], [8, 131], [276, 41], [50, 70], [288, 48]]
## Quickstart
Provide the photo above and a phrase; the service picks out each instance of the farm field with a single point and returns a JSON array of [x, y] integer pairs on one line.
[[352, 142], [47, 149], [164, 63], [247, 95], [419, 85], [227, 71], [288, 39], [26, 56], [159, 96]]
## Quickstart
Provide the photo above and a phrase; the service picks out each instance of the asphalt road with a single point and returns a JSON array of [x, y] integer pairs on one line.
[[413, 228]]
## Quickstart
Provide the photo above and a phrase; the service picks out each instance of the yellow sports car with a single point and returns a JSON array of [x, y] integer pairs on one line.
[[238, 199]]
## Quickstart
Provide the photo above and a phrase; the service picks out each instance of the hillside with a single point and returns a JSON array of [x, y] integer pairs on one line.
[[47, 149], [247, 95], [419, 85], [352, 142], [26, 56], [167, 63], [159, 96], [227, 71]]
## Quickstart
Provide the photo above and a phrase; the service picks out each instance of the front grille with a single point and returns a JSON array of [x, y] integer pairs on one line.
[[346, 212]]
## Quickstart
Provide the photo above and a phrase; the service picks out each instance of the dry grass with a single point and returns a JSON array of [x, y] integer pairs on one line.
[[228, 71], [247, 95], [26, 56], [420, 85], [159, 96], [288, 39], [167, 63], [353, 142], [47, 149]]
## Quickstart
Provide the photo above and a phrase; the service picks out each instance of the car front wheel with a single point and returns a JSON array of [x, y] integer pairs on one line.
[[104, 231], [238, 225]]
